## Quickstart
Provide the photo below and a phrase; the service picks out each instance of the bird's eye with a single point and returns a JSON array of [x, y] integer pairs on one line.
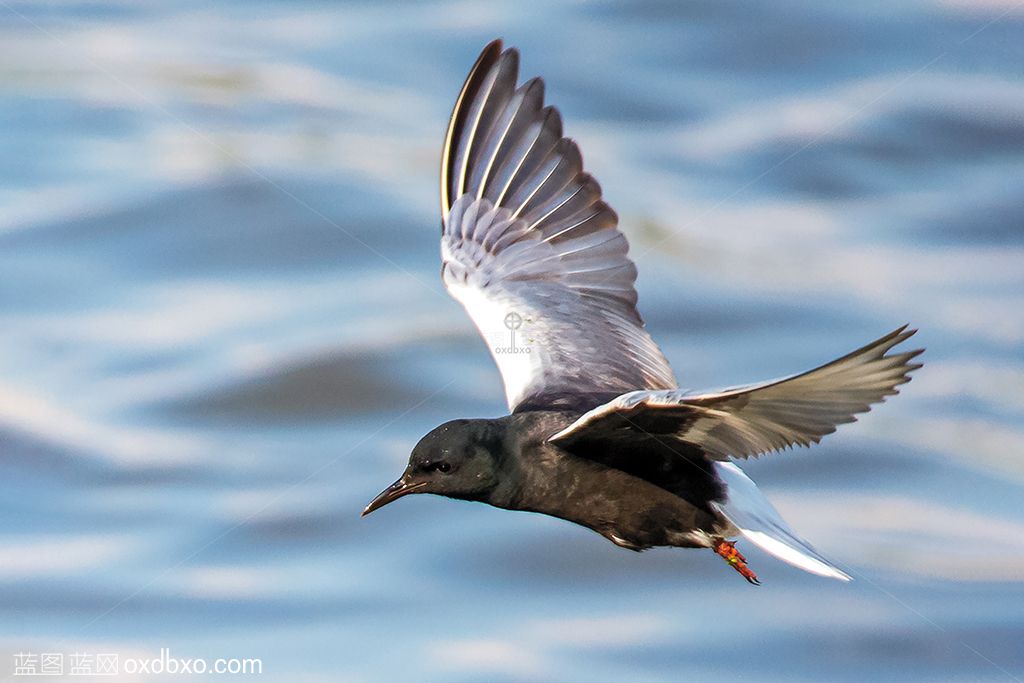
[[443, 467]]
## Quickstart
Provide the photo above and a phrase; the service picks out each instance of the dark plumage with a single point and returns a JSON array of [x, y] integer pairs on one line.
[[600, 434], [637, 499]]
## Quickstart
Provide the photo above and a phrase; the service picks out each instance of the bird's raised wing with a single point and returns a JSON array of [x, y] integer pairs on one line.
[[749, 421], [532, 252]]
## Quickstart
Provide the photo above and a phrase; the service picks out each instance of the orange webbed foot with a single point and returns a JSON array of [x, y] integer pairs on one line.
[[727, 549]]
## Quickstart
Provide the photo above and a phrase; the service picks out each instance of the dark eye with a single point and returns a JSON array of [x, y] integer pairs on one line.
[[443, 467]]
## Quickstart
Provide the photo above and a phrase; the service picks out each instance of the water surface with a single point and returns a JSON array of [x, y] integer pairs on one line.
[[223, 331]]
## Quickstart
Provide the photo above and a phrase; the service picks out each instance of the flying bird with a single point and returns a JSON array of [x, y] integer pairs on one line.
[[599, 432]]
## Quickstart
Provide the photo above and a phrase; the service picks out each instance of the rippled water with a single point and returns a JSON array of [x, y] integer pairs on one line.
[[223, 330]]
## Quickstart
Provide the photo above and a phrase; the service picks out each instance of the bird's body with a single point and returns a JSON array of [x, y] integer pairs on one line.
[[639, 507], [600, 433]]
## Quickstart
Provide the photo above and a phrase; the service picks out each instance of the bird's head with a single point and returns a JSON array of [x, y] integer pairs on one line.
[[459, 459]]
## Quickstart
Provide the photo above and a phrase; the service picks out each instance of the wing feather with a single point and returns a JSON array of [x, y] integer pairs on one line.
[[527, 240], [761, 418]]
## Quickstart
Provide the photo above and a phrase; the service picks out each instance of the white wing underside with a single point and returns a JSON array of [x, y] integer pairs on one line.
[[759, 522], [517, 355]]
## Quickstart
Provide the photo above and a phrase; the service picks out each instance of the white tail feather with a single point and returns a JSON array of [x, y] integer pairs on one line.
[[759, 522]]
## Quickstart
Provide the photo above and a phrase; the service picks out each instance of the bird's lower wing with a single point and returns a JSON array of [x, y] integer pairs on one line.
[[757, 419]]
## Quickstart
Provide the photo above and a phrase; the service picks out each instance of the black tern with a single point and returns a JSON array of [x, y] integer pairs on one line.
[[599, 433]]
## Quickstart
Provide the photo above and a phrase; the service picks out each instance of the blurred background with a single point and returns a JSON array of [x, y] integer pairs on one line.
[[222, 330]]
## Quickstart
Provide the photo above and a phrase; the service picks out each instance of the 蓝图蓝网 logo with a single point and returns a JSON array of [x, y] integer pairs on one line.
[[514, 323], [103, 664]]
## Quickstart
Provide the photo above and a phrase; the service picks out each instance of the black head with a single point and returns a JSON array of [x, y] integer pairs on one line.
[[459, 459]]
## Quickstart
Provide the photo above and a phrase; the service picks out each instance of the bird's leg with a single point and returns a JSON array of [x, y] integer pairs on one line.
[[727, 549]]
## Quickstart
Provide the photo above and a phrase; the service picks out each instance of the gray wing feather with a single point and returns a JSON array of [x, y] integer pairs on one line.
[[504, 145], [761, 418], [525, 231]]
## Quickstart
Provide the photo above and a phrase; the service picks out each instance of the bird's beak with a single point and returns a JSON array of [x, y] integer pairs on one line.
[[392, 493]]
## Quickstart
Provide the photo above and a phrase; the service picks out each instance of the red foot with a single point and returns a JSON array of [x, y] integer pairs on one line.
[[727, 549]]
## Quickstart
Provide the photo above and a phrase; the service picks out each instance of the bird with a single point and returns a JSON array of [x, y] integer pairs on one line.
[[599, 432]]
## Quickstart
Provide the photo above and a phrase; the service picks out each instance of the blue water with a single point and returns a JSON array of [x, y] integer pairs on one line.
[[222, 330]]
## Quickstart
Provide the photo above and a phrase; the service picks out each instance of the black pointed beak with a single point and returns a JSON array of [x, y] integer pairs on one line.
[[392, 493]]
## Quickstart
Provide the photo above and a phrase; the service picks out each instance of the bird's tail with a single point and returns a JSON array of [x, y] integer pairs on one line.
[[760, 523]]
